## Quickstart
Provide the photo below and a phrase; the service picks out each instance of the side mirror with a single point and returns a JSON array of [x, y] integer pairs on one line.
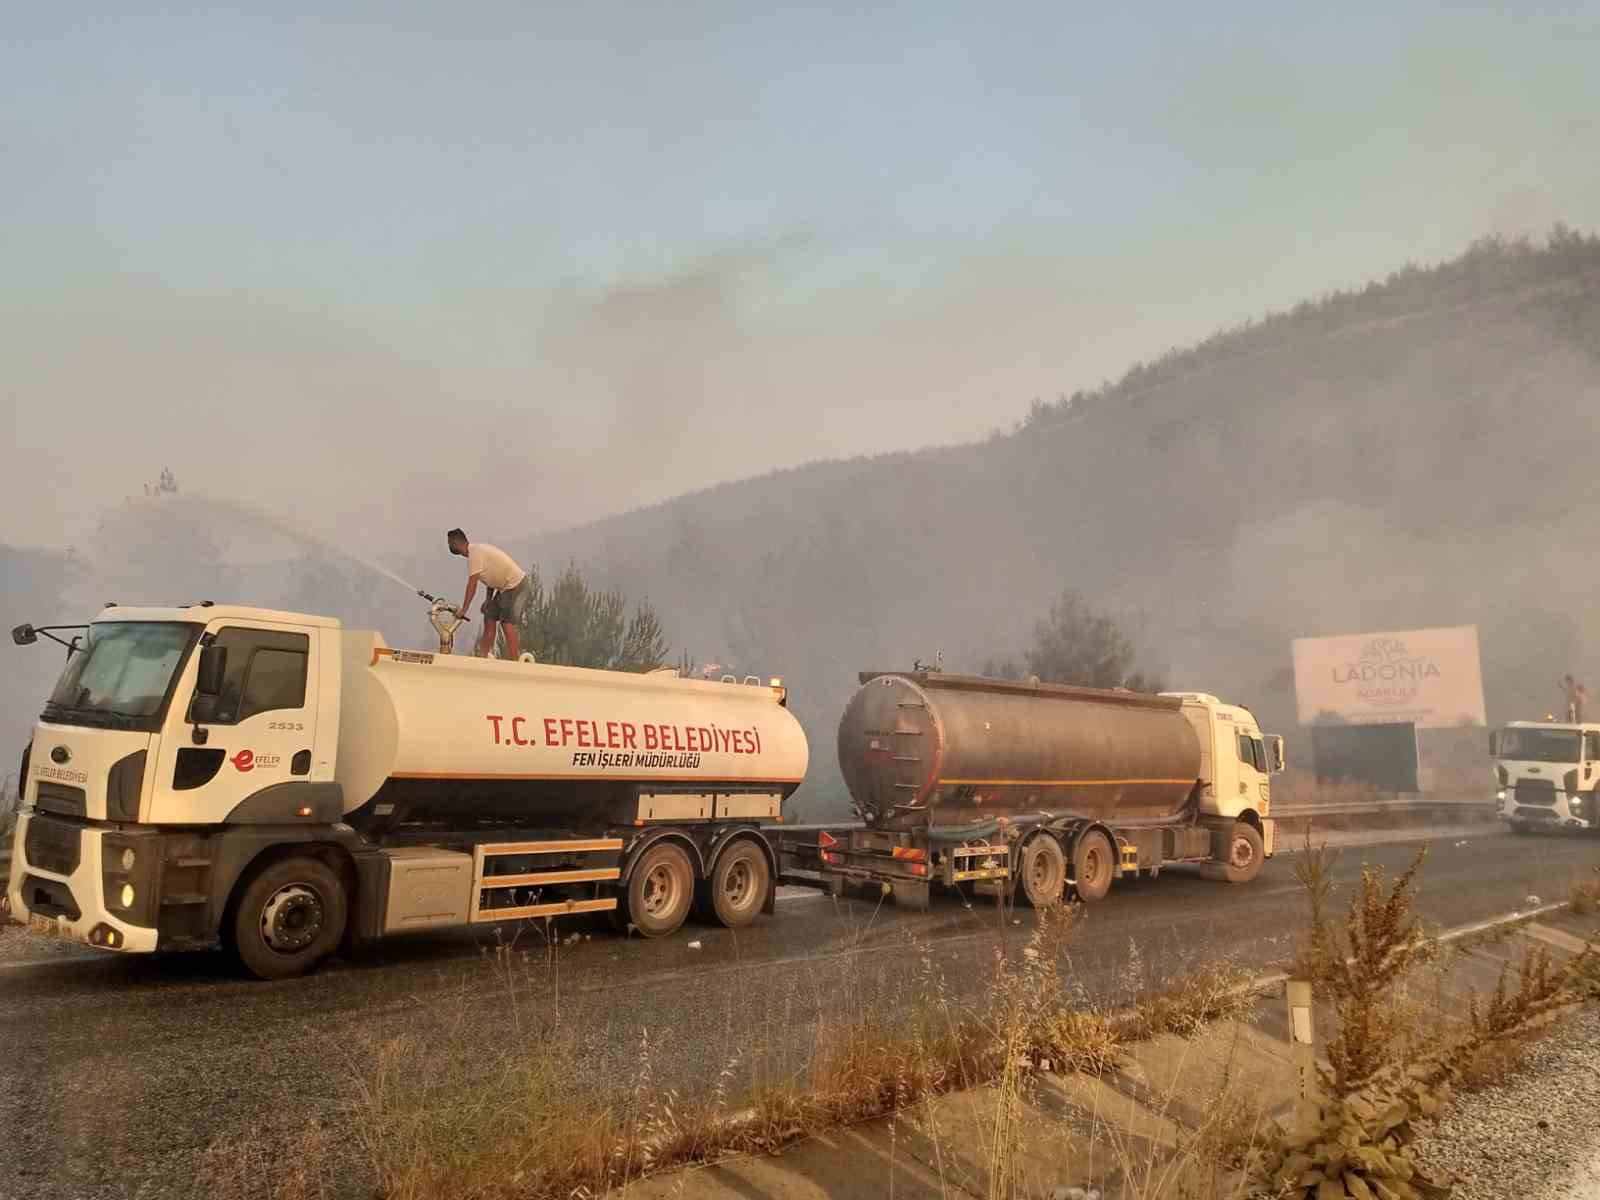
[[213, 668], [1494, 743], [24, 635], [1275, 756]]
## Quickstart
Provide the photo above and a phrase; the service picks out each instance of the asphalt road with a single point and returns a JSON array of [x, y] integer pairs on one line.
[[118, 1072]]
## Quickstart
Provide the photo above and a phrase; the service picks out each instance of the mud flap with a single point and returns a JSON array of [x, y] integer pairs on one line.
[[1269, 836], [910, 895]]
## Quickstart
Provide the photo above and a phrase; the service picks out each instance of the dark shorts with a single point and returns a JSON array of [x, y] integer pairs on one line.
[[509, 606]]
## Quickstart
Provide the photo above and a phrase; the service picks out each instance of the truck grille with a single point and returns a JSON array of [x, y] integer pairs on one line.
[[1536, 791], [58, 798], [53, 846]]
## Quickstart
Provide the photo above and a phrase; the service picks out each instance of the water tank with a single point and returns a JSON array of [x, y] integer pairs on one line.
[[451, 739]]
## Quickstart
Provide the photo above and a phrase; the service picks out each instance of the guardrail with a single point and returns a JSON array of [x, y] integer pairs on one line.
[[1353, 807]]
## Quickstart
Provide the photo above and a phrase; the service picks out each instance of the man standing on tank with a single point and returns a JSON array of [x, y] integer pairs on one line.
[[508, 587]]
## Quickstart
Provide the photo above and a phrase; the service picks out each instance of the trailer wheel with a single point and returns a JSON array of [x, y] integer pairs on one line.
[[1521, 827], [1043, 868], [739, 884], [1093, 863], [289, 916], [660, 890]]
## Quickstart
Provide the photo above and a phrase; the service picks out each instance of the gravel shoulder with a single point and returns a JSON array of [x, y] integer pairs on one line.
[[1532, 1137]]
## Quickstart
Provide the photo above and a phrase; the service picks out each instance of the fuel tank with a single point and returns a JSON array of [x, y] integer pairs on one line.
[[451, 740], [927, 748]]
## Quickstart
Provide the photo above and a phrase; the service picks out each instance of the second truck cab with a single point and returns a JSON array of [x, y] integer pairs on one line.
[[1548, 773]]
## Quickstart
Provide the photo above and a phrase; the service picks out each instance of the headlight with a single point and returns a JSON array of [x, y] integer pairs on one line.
[[127, 893], [128, 859], [1500, 796]]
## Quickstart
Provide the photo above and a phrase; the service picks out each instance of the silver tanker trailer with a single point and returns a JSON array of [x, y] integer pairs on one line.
[[1038, 788]]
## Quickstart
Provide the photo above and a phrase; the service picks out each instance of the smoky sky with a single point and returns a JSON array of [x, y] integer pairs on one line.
[[382, 269]]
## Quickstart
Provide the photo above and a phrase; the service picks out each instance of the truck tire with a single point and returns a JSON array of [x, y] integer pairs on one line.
[[1521, 827], [290, 915], [1245, 853], [1042, 868], [1093, 865], [660, 890], [739, 884]]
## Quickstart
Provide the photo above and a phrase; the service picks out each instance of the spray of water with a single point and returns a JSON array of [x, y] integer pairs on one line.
[[243, 514]]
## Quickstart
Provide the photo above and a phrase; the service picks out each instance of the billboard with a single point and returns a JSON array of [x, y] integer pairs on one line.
[[1428, 677]]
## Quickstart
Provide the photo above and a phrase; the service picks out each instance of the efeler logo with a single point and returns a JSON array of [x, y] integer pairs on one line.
[[244, 760]]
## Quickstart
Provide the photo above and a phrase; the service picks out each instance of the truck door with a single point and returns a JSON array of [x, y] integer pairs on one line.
[[259, 730], [1253, 770]]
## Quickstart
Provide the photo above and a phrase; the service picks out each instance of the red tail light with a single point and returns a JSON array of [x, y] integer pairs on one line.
[[919, 868], [833, 860]]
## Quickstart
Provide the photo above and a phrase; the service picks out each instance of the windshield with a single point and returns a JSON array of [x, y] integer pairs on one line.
[[1540, 745], [123, 670]]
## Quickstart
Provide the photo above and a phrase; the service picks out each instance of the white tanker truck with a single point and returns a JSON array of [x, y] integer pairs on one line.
[[279, 785]]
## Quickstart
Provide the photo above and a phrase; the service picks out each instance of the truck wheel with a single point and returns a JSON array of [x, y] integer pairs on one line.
[[660, 890], [1043, 868], [289, 916], [739, 884], [1093, 863], [1520, 827], [1245, 853]]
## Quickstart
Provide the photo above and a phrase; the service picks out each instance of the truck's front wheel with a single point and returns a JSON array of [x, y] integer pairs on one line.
[[289, 916], [1245, 853], [660, 890]]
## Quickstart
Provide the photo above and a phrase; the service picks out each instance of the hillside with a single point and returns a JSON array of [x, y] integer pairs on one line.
[[1407, 455]]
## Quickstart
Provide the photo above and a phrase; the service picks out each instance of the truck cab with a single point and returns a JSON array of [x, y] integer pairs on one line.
[[1237, 762], [1548, 774], [166, 719]]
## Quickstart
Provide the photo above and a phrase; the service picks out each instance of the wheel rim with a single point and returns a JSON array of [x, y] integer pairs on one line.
[[1093, 864], [291, 919], [739, 882], [660, 890], [1041, 874], [1243, 852]]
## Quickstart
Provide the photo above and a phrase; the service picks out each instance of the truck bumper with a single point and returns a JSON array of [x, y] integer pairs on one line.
[[1571, 810], [59, 876]]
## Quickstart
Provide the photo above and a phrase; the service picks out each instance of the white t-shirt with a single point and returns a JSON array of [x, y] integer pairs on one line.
[[494, 566]]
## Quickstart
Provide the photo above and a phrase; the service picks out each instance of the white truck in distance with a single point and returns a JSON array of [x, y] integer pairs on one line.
[[274, 783], [1548, 773]]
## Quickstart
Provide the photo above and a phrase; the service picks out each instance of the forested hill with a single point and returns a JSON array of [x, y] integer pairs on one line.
[[1420, 452], [1414, 453]]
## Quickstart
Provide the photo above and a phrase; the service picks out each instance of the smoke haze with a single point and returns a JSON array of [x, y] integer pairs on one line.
[[564, 277]]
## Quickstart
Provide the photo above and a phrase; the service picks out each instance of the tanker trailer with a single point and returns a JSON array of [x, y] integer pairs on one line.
[[1042, 788], [281, 786]]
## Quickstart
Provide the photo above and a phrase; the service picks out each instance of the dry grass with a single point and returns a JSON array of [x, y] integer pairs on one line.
[[437, 1113], [291, 1163], [1583, 897], [1395, 1059]]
